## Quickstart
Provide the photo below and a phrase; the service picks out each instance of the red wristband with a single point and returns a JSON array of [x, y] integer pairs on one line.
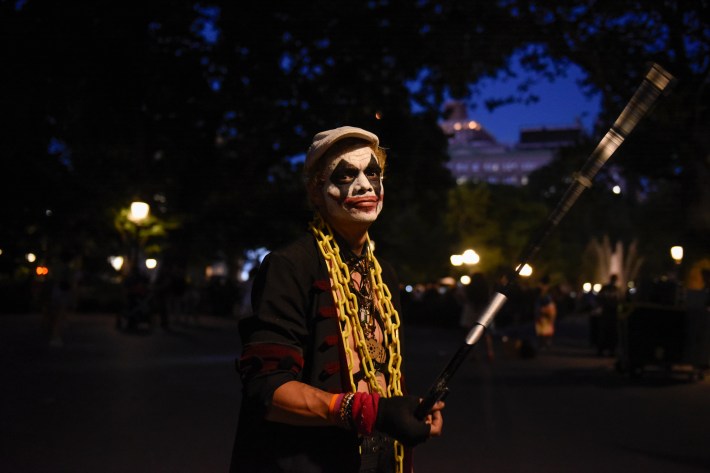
[[364, 412]]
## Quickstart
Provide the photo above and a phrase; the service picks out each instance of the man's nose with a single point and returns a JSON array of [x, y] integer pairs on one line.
[[362, 183]]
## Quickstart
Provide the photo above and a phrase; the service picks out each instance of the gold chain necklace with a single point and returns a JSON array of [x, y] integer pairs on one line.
[[368, 314], [348, 316]]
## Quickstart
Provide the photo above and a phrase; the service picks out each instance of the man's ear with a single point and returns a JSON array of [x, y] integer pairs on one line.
[[315, 196]]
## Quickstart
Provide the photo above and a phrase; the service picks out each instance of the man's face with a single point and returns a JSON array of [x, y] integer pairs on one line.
[[352, 191]]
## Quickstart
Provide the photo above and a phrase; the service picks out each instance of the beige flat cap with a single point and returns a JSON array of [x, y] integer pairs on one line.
[[325, 139]]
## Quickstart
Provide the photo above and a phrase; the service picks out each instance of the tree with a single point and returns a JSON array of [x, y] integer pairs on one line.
[[613, 42], [496, 221], [188, 108]]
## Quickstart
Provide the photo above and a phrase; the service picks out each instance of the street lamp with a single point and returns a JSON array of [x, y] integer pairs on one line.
[[470, 257], [677, 254], [138, 213], [525, 271], [116, 262]]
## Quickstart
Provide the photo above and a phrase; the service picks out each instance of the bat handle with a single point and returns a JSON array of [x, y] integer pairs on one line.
[[434, 396]]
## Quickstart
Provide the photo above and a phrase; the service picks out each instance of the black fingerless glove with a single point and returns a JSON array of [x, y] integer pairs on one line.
[[395, 417]]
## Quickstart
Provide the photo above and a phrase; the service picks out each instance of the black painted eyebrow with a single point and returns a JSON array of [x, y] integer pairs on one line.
[[344, 166], [373, 165], [343, 170]]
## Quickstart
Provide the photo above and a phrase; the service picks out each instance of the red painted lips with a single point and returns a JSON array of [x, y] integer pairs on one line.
[[362, 203]]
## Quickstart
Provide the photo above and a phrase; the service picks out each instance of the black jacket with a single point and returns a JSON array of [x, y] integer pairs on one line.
[[294, 335]]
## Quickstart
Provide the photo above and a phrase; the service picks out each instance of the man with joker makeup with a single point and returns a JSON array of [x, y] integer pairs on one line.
[[321, 360]]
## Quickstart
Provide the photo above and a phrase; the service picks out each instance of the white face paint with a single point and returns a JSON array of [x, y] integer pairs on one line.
[[352, 189]]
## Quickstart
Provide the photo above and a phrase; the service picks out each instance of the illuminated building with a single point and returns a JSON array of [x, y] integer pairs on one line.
[[476, 156]]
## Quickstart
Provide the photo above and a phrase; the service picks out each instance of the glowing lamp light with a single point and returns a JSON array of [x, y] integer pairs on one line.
[[465, 279], [616, 190], [525, 271], [470, 257], [151, 263], [139, 211], [456, 260], [586, 287], [596, 288], [31, 257], [677, 254], [42, 270], [218, 269], [116, 262]]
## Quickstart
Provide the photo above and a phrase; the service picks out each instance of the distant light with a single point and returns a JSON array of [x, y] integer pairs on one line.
[[139, 211], [116, 262], [48, 212], [472, 125], [526, 270], [616, 190], [465, 279], [218, 269], [470, 257], [457, 126], [378, 115], [446, 281], [596, 288], [456, 260], [151, 263], [0, 251], [31, 257], [586, 287], [677, 253], [631, 285], [42, 270]]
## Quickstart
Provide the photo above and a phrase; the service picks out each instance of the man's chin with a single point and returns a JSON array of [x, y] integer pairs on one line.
[[365, 216], [356, 218]]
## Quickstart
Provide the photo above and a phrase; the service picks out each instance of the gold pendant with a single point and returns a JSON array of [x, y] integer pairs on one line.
[[376, 350]]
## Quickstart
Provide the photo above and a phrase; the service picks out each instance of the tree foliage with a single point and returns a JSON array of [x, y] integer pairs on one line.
[[202, 109], [199, 109], [495, 221], [613, 42]]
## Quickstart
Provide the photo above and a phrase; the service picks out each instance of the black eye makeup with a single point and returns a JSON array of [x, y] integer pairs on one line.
[[345, 173], [373, 171]]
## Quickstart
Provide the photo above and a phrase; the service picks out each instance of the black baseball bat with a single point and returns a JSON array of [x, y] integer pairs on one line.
[[655, 83]]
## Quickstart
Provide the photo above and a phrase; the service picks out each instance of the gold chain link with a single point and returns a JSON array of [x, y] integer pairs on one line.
[[350, 323]]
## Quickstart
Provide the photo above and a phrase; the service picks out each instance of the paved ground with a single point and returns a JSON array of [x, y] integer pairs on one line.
[[108, 401]]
